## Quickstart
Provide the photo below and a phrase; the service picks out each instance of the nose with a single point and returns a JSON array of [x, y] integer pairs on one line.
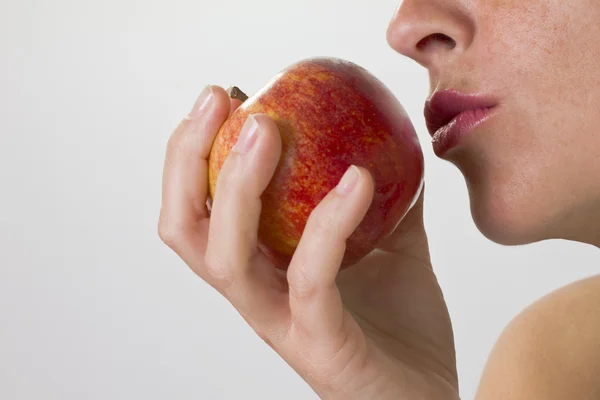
[[430, 31]]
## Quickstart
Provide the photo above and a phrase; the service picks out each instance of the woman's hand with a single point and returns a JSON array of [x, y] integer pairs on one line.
[[377, 330]]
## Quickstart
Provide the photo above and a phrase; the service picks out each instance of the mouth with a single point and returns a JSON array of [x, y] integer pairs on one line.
[[450, 114]]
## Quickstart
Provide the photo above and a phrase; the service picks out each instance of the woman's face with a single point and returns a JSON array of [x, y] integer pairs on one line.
[[533, 168]]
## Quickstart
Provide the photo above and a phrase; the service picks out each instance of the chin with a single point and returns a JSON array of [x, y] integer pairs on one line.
[[504, 221], [505, 202]]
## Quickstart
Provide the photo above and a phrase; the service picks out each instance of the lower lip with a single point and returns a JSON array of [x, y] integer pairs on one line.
[[449, 135]]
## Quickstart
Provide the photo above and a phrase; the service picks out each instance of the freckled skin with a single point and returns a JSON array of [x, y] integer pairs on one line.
[[331, 114], [532, 172]]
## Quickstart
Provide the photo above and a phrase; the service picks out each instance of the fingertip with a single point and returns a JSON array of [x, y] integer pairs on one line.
[[266, 121], [364, 188], [221, 100], [366, 179], [269, 129], [213, 101]]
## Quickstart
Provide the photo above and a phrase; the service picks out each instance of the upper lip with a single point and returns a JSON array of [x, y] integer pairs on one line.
[[443, 106]]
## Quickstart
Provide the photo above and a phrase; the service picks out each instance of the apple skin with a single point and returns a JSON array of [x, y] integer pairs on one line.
[[331, 113]]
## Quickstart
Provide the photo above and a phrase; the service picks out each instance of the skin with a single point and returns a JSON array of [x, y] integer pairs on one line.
[[532, 174], [531, 170]]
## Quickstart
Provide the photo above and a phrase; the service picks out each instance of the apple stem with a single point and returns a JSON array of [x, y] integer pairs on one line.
[[236, 93]]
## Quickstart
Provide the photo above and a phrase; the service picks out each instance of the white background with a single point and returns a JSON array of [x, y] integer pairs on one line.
[[92, 304]]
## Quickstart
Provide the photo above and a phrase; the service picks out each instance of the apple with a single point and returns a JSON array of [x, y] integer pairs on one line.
[[331, 113]]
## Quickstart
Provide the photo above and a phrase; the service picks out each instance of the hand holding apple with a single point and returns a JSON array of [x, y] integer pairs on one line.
[[378, 329], [331, 114]]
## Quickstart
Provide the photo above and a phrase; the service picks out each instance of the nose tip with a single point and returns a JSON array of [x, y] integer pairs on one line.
[[419, 42], [425, 31]]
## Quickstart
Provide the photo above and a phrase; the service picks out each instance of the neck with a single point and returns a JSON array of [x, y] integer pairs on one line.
[[582, 226]]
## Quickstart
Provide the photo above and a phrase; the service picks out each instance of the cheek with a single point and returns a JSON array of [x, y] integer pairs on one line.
[[525, 174], [543, 42], [537, 161]]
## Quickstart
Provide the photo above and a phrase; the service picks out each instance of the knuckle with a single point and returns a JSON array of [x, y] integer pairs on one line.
[[330, 369], [220, 271], [173, 145], [171, 234], [180, 146], [194, 141], [189, 139], [324, 223], [301, 285]]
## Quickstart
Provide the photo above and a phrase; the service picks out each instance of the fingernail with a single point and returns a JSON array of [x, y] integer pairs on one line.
[[202, 103], [348, 181], [248, 135]]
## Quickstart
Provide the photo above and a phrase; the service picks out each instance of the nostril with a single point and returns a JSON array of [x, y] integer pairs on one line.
[[436, 39]]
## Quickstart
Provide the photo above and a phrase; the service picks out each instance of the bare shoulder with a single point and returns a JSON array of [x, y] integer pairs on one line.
[[551, 350]]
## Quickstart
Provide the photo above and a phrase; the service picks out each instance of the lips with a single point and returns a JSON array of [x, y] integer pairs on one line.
[[443, 107]]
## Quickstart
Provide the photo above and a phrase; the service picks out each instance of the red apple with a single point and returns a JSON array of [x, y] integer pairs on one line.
[[331, 113]]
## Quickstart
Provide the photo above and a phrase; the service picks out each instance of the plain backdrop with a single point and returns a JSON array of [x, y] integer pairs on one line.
[[92, 304]]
